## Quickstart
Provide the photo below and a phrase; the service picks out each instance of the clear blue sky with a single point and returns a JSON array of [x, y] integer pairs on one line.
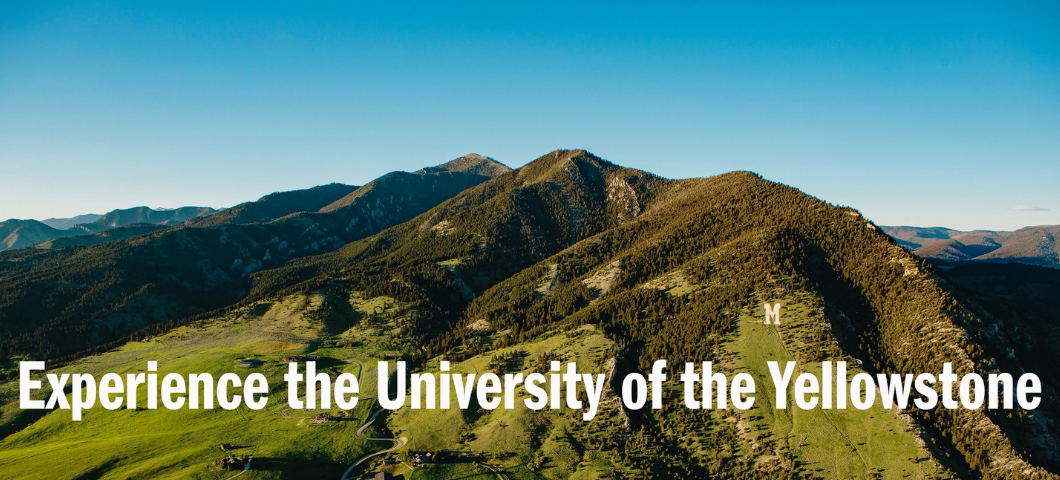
[[917, 113]]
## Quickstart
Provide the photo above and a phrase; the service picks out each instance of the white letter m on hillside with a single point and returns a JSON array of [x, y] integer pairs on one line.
[[773, 313]]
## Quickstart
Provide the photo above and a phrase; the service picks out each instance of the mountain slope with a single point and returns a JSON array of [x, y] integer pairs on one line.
[[280, 204], [112, 289], [916, 237], [16, 233], [1033, 245], [109, 235], [954, 250], [472, 164]]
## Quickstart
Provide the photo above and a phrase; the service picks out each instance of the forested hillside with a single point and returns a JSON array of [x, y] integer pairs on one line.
[[572, 239], [277, 205], [574, 258], [60, 301]]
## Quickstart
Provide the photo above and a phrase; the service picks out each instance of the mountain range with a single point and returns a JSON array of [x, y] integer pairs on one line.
[[116, 288], [15, 233], [67, 223], [570, 258], [1031, 245]]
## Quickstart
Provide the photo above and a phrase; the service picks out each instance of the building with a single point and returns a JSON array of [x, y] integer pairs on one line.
[[323, 418]]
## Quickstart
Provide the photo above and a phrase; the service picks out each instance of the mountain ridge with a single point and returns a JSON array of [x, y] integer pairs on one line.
[[1034, 245], [115, 288], [16, 234], [473, 164], [279, 204], [66, 223]]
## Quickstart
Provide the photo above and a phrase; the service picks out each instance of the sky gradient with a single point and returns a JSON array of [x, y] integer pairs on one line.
[[940, 115]]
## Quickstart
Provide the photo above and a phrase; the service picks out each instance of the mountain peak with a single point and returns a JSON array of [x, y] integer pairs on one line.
[[577, 155], [16, 233], [558, 164], [474, 163]]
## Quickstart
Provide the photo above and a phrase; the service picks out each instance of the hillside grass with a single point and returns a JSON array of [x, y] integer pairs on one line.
[[832, 443], [452, 471], [182, 444], [514, 437]]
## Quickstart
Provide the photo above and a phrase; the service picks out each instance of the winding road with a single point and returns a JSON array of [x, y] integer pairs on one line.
[[398, 443]]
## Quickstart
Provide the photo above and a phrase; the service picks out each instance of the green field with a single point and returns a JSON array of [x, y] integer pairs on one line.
[[453, 471], [846, 443], [182, 444]]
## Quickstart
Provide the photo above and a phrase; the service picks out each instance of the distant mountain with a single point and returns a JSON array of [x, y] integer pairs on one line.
[[916, 237], [109, 235], [280, 204], [472, 164], [107, 290], [129, 216], [66, 223], [15, 234], [1031, 245]]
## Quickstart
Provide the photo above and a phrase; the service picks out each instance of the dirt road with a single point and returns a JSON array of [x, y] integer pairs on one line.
[[398, 443]]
